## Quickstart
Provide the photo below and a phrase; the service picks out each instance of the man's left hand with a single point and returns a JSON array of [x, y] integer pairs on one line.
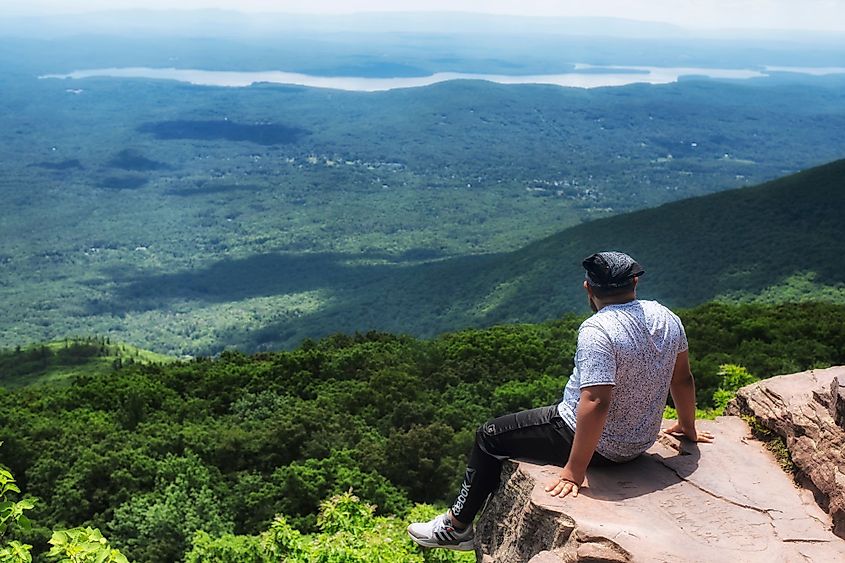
[[566, 483]]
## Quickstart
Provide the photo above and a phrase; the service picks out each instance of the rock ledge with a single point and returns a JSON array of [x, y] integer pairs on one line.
[[723, 502], [807, 409]]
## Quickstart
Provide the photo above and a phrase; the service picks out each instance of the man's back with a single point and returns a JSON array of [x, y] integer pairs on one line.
[[632, 346], [630, 353]]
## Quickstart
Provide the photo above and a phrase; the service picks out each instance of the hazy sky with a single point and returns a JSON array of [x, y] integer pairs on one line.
[[772, 14]]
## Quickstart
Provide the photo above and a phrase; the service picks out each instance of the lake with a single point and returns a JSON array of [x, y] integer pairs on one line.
[[581, 76]]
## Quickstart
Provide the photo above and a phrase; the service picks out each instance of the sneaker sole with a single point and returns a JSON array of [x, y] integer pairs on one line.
[[466, 545]]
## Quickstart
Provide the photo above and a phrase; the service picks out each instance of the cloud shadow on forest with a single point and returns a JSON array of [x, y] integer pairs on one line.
[[132, 160], [131, 182], [358, 296], [211, 130], [273, 274], [70, 164]]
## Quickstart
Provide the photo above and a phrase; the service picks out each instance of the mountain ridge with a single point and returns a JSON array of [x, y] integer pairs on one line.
[[800, 222], [737, 244]]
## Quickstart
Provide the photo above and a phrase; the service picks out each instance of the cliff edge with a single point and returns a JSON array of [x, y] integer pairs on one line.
[[807, 409], [726, 501]]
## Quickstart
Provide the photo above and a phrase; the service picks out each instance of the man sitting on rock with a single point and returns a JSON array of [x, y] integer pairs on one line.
[[630, 355]]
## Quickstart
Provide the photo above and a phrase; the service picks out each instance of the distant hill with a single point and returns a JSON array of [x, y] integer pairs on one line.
[[777, 242], [782, 239], [60, 360]]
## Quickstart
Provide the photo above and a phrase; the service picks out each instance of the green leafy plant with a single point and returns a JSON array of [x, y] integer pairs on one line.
[[83, 545], [12, 516], [349, 533], [283, 542], [15, 552], [11, 512], [732, 377]]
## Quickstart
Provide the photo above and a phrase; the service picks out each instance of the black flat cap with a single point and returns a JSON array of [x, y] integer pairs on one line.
[[611, 269]]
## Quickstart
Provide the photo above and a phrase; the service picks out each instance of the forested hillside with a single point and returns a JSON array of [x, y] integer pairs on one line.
[[777, 242], [57, 361], [152, 454]]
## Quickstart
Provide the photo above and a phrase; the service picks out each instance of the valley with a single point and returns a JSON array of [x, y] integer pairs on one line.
[[185, 219]]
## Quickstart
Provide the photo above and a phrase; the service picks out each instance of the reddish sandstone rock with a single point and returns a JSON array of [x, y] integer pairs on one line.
[[808, 410], [723, 502]]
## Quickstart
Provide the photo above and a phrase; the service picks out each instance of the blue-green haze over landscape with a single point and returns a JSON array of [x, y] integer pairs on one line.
[[299, 197], [227, 294]]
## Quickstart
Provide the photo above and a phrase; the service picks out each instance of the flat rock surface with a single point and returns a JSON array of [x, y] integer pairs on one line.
[[806, 409], [726, 501]]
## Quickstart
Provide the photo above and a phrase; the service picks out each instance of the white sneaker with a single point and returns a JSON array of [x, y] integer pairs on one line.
[[440, 533]]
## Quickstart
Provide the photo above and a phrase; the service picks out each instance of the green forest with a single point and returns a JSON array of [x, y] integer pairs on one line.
[[185, 219], [334, 445]]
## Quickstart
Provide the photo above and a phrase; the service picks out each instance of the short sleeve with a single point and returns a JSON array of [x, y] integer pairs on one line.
[[683, 344], [595, 358]]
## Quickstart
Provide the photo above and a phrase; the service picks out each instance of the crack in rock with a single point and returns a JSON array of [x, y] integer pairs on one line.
[[766, 511]]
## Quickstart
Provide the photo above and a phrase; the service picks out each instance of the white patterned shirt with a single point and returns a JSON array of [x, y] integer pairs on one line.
[[633, 347]]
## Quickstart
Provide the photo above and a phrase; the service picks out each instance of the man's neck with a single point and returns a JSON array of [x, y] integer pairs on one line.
[[616, 300]]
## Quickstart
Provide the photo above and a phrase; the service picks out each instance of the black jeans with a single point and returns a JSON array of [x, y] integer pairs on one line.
[[536, 434]]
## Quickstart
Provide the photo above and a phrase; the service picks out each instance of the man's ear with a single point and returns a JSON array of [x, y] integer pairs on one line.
[[636, 281]]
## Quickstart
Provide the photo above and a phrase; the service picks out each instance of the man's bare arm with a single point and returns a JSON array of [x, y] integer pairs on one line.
[[682, 389], [591, 416]]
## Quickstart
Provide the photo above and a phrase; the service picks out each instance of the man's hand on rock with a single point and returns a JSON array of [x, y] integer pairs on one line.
[[678, 431], [566, 483]]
